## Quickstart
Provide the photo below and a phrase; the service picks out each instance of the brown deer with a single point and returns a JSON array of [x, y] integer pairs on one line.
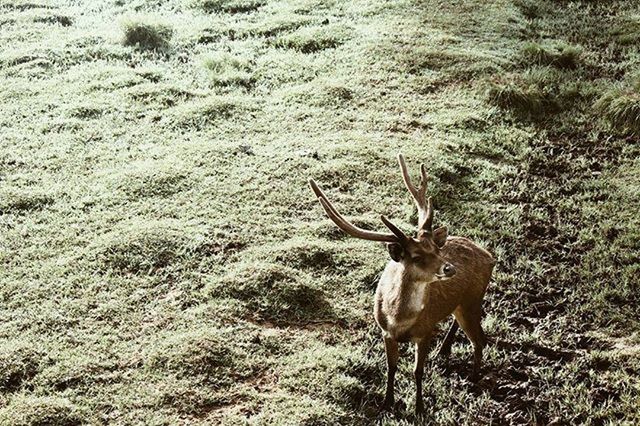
[[430, 277]]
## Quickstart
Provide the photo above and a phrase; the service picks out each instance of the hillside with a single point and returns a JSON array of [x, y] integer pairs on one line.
[[163, 260]]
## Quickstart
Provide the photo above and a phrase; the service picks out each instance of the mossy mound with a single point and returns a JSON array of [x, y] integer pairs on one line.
[[40, 411]]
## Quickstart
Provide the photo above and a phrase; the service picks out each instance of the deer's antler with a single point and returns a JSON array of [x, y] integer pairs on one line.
[[424, 205], [396, 237]]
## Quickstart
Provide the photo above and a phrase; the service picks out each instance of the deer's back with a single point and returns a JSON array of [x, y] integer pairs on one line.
[[473, 271]]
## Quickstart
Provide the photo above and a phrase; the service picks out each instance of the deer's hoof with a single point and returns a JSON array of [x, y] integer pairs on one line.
[[387, 405], [443, 352]]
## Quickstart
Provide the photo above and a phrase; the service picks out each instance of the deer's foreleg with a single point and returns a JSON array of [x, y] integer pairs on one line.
[[391, 349], [422, 349]]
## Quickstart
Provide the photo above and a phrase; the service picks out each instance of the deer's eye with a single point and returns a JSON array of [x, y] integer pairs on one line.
[[416, 259]]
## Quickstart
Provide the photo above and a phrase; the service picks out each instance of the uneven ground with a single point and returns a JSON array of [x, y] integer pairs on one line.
[[163, 260]]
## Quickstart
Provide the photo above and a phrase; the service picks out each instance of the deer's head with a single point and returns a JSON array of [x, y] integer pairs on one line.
[[419, 254]]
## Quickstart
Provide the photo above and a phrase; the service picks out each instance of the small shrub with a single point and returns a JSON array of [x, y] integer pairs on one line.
[[146, 34], [621, 108], [559, 56]]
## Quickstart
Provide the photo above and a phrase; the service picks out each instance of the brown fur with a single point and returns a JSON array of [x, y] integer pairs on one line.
[[403, 319], [400, 280]]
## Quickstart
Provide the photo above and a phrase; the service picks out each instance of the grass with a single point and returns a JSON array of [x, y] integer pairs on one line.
[[146, 33], [163, 260], [28, 411], [228, 6], [538, 91], [310, 39], [621, 107], [561, 56], [225, 69]]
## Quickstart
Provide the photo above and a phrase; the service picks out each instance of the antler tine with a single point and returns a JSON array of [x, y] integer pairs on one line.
[[397, 232], [425, 210], [344, 224], [427, 225]]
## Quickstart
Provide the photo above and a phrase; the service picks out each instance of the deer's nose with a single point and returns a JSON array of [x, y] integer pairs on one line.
[[448, 270]]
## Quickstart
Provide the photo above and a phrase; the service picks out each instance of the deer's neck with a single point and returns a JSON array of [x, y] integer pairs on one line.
[[403, 298]]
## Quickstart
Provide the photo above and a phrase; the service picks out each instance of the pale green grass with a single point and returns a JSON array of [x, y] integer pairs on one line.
[[163, 261]]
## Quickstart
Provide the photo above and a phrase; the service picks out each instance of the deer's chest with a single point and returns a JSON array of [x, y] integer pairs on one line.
[[402, 312]]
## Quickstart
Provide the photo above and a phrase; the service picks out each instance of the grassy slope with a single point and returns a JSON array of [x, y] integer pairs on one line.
[[163, 259]]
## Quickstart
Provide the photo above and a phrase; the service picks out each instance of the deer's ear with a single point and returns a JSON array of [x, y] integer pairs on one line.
[[440, 236], [395, 251]]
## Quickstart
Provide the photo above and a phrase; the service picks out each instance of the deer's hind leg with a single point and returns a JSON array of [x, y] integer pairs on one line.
[[445, 347], [469, 317]]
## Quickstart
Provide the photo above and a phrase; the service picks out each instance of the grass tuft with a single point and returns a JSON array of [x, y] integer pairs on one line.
[[225, 69], [63, 20], [538, 91], [621, 108], [627, 31], [203, 353], [149, 178], [146, 33], [560, 55], [302, 254], [531, 9], [206, 111], [86, 112], [161, 95], [24, 200], [228, 6], [332, 372], [512, 96], [314, 39], [321, 93]]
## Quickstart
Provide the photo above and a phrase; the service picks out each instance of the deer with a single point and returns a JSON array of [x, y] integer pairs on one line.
[[429, 277]]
